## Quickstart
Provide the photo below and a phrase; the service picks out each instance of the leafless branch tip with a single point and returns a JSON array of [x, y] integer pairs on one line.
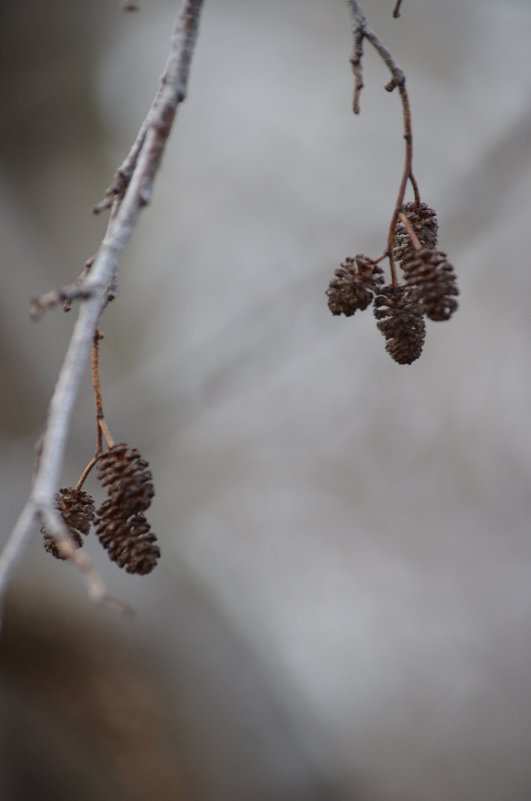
[[138, 173]]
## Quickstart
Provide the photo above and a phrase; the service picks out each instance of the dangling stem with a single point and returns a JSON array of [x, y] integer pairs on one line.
[[410, 231], [106, 433], [406, 173], [101, 425], [415, 186], [86, 471]]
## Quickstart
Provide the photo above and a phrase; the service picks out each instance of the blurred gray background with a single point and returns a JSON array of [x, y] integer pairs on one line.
[[343, 607]]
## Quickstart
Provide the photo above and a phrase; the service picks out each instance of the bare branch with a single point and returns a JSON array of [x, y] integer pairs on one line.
[[126, 209]]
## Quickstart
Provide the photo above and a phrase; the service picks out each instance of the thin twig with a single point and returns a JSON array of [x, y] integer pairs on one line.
[[406, 173], [410, 231], [121, 225], [96, 385], [396, 10], [106, 432], [415, 186], [362, 30], [65, 294], [357, 55], [83, 477]]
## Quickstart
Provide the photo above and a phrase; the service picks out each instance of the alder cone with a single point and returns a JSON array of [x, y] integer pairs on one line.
[[401, 322], [121, 526], [127, 478], [424, 222], [353, 286], [77, 510], [128, 540], [431, 277]]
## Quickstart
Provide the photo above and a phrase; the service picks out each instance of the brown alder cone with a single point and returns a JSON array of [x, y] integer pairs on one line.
[[354, 285], [77, 510], [424, 222], [431, 277], [401, 322], [127, 478], [128, 540], [121, 526]]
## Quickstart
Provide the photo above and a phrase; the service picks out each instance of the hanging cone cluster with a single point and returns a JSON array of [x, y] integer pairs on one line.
[[428, 289], [354, 285], [121, 526], [401, 322], [432, 279], [77, 510], [424, 222]]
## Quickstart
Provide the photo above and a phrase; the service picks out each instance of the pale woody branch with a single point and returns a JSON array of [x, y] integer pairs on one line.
[[136, 175]]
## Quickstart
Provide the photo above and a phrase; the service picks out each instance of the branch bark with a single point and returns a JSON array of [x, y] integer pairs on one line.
[[136, 177]]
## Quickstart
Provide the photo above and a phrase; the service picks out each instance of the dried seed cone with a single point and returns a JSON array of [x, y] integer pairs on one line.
[[424, 222], [128, 540], [77, 510], [121, 526], [354, 285], [401, 322], [432, 278], [127, 478]]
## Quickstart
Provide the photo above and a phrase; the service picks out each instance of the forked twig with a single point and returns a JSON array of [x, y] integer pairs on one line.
[[139, 172], [362, 30]]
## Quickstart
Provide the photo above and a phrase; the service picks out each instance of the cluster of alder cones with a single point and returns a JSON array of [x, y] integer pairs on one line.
[[119, 522], [428, 289]]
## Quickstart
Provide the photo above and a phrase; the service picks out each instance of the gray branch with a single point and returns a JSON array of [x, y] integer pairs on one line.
[[142, 165]]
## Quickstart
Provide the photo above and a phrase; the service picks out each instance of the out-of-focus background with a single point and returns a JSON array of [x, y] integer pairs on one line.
[[343, 606]]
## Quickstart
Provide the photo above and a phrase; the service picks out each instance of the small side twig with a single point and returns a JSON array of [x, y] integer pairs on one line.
[[88, 469], [151, 144], [65, 294], [396, 10]]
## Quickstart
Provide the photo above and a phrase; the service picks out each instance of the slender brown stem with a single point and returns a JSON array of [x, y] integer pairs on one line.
[[98, 402], [106, 433], [381, 257], [410, 231], [101, 426], [83, 477], [396, 10], [415, 186], [406, 175]]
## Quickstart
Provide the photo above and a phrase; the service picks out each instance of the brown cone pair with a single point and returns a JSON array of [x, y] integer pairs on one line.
[[120, 524]]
